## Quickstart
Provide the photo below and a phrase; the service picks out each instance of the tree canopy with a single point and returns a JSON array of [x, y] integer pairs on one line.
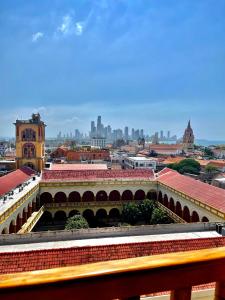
[[160, 217], [146, 211], [76, 222], [187, 165]]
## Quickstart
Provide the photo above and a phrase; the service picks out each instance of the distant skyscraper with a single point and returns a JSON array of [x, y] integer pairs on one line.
[[126, 133], [161, 135], [168, 134], [132, 134], [99, 127], [142, 133]]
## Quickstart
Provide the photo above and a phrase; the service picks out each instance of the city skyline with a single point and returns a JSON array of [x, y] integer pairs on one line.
[[146, 64]]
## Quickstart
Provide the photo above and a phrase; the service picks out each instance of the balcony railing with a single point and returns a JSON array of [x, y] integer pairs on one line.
[[169, 212], [122, 279], [32, 221], [86, 204]]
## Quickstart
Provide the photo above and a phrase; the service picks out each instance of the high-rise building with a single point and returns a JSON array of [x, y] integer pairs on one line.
[[99, 126], [142, 133], [126, 133], [168, 134], [132, 134], [161, 135]]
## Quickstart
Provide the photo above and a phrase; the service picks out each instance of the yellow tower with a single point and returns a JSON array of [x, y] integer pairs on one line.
[[30, 143]]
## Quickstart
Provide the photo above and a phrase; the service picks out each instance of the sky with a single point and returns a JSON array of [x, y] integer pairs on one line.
[[151, 64]]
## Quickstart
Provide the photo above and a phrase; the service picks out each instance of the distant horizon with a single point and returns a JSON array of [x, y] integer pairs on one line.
[[143, 64]]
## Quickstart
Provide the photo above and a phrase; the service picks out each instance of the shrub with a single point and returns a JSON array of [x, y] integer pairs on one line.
[[76, 222]]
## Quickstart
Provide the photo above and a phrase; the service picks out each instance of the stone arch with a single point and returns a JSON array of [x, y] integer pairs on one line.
[[101, 196], [60, 215], [5, 230], [25, 215], [186, 214], [45, 198], [46, 218], [114, 213], [12, 227], [18, 222], [73, 213], [178, 209], [171, 204], [139, 195], [205, 219], [88, 196], [165, 200], [152, 195], [127, 195], [88, 214], [160, 197], [195, 217], [101, 213], [60, 197], [74, 197], [114, 195]]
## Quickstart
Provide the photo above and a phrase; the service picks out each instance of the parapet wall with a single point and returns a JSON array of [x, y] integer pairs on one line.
[[48, 236]]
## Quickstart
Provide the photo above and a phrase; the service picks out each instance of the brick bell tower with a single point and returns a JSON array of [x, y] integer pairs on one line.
[[30, 143]]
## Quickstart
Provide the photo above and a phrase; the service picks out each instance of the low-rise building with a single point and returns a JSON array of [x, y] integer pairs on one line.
[[139, 163], [166, 149], [98, 142]]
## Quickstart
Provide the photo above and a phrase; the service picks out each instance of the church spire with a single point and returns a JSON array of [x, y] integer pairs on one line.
[[188, 137], [189, 124]]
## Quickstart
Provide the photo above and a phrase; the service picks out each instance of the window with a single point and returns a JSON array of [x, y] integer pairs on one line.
[[28, 151], [28, 135]]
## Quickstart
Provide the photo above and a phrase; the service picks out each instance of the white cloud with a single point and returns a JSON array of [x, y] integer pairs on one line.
[[69, 26], [79, 27], [37, 36], [66, 25]]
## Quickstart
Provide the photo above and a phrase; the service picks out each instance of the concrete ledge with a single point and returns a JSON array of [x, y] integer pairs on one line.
[[47, 236]]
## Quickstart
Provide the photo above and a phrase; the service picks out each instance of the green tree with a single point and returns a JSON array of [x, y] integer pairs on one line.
[[130, 213], [208, 152], [211, 170], [187, 165], [76, 222], [160, 217], [146, 208]]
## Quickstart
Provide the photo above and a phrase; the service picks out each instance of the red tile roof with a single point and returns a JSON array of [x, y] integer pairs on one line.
[[70, 167], [13, 179], [88, 175], [14, 262], [203, 192], [165, 147]]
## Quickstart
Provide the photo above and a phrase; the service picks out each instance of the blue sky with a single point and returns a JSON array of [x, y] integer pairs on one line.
[[151, 64]]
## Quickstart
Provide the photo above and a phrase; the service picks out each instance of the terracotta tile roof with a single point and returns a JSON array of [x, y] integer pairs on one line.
[[203, 192], [70, 167], [166, 147], [14, 262], [89, 175], [217, 163], [172, 160], [13, 179]]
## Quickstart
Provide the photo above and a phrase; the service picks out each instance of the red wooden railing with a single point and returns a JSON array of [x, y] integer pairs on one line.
[[122, 279]]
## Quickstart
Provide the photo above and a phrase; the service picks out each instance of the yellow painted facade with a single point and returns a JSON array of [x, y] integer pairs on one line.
[[30, 143]]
